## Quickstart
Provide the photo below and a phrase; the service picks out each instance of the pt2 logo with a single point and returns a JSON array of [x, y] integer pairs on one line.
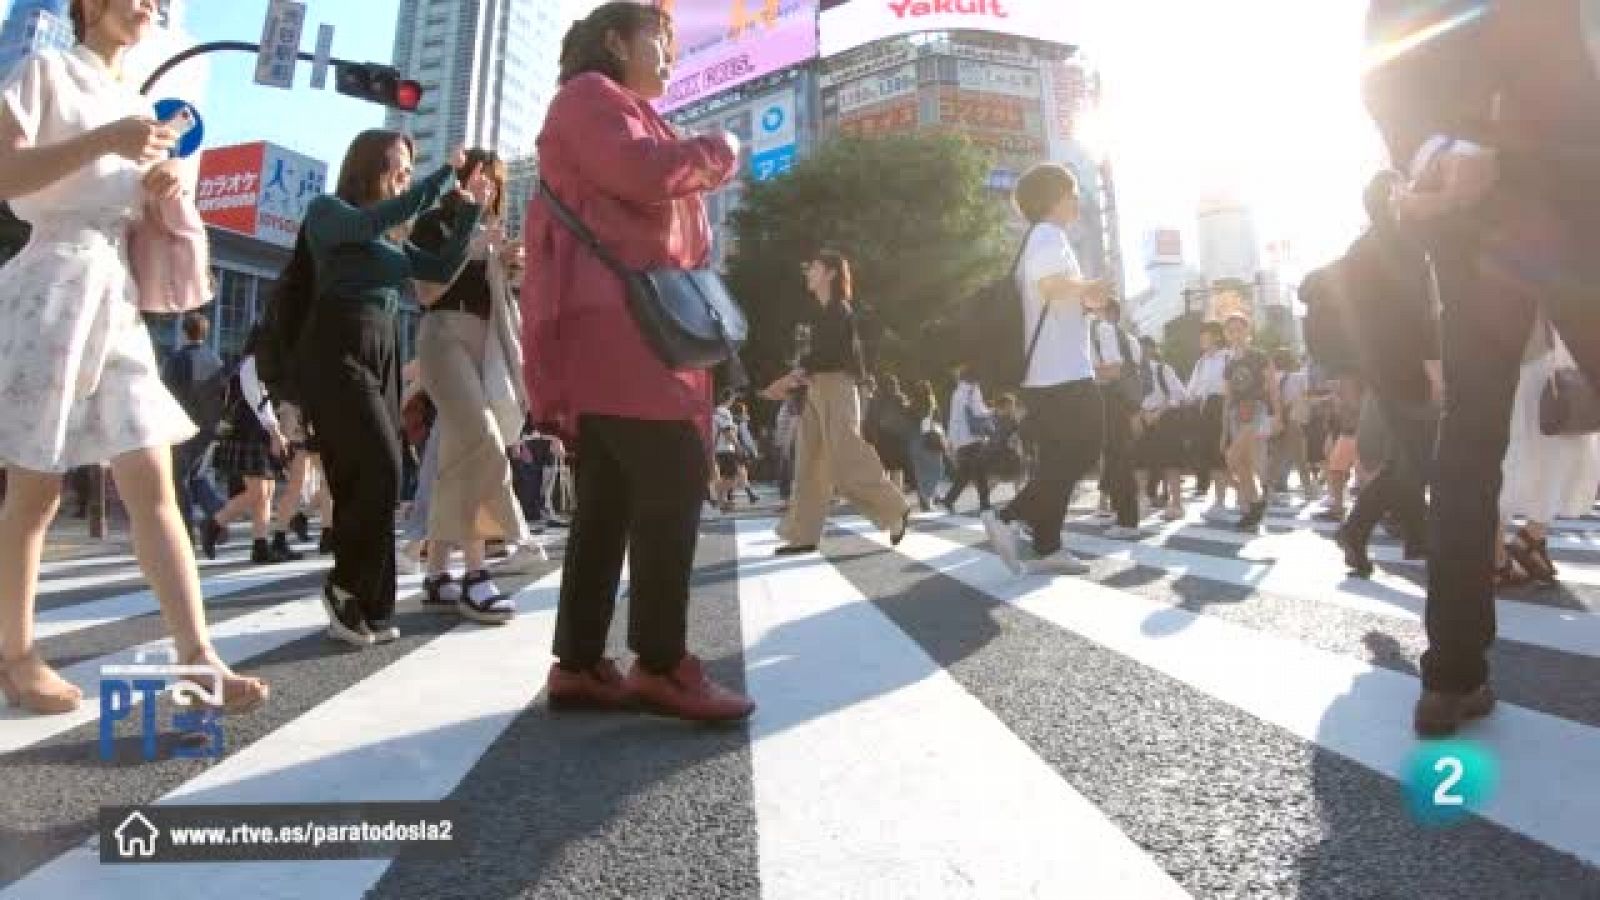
[[118, 684]]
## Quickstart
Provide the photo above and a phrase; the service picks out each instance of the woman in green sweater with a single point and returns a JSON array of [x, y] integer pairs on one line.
[[358, 238]]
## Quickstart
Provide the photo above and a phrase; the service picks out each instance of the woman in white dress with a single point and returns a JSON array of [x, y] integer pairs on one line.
[[1544, 477], [79, 155]]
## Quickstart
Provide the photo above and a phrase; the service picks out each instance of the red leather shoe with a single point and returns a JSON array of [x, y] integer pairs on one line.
[[598, 688], [686, 693]]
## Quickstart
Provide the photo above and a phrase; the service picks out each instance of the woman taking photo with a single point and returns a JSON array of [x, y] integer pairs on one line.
[[830, 453], [358, 240], [466, 340], [641, 429], [80, 159]]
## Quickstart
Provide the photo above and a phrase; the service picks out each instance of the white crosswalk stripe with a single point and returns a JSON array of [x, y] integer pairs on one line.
[[911, 739]]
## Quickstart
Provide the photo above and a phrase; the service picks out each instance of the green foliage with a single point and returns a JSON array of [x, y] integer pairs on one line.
[[913, 215]]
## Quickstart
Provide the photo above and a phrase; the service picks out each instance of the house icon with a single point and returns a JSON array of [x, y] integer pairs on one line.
[[136, 837]]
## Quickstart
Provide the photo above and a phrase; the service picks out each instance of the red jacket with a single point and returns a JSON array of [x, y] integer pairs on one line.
[[638, 186]]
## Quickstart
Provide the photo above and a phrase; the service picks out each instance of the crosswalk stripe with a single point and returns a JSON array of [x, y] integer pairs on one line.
[[1336, 702], [51, 583], [237, 639], [408, 732], [987, 811], [63, 620]]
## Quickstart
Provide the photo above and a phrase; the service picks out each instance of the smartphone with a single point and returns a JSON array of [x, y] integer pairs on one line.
[[182, 121]]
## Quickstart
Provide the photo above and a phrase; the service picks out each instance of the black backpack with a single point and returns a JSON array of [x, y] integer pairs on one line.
[[993, 330], [1328, 325], [277, 332], [205, 401]]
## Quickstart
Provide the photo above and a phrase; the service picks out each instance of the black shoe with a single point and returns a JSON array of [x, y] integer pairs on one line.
[[325, 543], [795, 549], [440, 592], [260, 552], [344, 619], [1251, 523], [1355, 552], [899, 534], [301, 526], [383, 631], [211, 535], [280, 552]]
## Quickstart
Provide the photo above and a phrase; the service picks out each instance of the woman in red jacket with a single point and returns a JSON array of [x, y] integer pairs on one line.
[[641, 428]]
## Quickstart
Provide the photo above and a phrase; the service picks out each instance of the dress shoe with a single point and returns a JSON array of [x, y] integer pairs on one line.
[[1439, 714], [598, 687], [686, 693], [1355, 552]]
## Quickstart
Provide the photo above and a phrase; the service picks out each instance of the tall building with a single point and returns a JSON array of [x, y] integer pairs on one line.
[[1229, 245], [488, 71], [31, 26]]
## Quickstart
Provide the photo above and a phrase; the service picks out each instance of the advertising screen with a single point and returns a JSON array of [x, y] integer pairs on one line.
[[847, 24], [258, 189], [726, 43]]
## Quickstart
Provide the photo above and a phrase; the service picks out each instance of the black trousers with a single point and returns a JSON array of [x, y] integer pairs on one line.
[[1528, 249], [349, 354], [970, 470], [640, 490], [1066, 423], [1402, 481], [1116, 468]]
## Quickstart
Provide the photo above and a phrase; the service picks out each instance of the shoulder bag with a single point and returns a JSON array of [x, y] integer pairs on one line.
[[687, 316]]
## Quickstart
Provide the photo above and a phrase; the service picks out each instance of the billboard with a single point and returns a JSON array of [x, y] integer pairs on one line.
[[725, 43], [258, 189], [847, 24], [773, 151]]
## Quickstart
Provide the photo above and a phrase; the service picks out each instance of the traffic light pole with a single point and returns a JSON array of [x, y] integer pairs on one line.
[[216, 46]]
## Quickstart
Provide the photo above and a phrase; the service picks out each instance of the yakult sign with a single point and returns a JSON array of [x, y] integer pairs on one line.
[[846, 24]]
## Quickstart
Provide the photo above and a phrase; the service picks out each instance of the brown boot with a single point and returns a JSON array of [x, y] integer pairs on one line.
[[1439, 714]]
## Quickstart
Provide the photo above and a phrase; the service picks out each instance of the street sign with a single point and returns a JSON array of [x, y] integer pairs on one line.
[[319, 68], [280, 44]]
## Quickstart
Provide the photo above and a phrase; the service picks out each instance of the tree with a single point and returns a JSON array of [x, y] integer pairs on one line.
[[913, 215]]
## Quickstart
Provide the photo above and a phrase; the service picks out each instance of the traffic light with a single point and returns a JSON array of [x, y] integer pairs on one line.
[[377, 83]]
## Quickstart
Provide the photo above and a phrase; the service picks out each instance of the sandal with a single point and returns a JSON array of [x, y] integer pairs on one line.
[[45, 693], [240, 695], [1508, 575], [1541, 549], [1522, 549]]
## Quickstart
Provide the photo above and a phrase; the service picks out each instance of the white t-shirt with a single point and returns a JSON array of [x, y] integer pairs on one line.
[[1209, 378], [726, 430], [1063, 352], [966, 397]]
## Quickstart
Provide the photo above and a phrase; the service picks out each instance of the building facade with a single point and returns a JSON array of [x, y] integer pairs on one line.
[[488, 72], [31, 26]]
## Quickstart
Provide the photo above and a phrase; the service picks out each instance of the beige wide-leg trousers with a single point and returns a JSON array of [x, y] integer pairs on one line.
[[831, 455]]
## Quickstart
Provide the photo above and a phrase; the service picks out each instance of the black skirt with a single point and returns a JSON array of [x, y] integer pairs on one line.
[[1162, 446], [1203, 433], [244, 457]]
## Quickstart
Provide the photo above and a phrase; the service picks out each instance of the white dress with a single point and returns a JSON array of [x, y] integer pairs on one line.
[[79, 383], [1545, 477]]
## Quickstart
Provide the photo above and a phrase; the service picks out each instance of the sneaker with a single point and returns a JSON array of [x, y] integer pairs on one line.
[[1355, 553], [600, 687], [211, 534], [686, 693], [344, 620], [440, 592], [482, 602], [280, 552], [260, 552], [301, 526], [383, 631], [1067, 562], [1003, 538], [1119, 533]]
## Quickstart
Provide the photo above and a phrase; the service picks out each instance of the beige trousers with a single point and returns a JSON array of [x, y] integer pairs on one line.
[[831, 455], [472, 495]]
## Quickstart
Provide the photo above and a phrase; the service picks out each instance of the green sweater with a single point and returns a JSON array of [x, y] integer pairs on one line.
[[358, 262]]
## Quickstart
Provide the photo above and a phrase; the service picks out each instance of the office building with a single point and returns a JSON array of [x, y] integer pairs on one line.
[[31, 26], [488, 71], [1229, 245]]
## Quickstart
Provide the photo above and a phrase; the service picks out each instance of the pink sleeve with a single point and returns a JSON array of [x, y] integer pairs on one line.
[[618, 147]]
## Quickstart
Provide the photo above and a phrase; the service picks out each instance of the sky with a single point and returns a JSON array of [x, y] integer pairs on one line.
[[1256, 98]]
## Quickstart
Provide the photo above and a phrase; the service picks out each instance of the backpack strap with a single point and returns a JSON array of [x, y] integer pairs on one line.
[[1044, 307]]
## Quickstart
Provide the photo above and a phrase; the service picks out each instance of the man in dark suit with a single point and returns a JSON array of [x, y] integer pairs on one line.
[[1492, 110]]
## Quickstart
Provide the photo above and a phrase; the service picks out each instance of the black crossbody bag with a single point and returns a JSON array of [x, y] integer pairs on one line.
[[687, 316]]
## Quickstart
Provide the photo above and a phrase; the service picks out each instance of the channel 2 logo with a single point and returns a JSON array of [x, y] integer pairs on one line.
[[200, 730]]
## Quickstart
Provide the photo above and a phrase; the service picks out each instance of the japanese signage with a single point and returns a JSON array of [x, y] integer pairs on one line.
[[258, 189], [774, 149], [846, 24], [975, 110], [726, 43], [897, 117], [987, 77], [280, 44], [875, 89]]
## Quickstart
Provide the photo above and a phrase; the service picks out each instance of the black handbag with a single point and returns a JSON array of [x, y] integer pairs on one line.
[[687, 316]]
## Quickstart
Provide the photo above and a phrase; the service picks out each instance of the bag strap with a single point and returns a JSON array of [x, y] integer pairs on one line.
[[581, 231], [1044, 309]]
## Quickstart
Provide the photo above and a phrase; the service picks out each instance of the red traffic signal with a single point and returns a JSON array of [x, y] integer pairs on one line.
[[376, 83]]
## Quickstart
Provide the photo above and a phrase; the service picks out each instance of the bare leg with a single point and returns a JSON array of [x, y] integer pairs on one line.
[[144, 479], [474, 554], [31, 501], [289, 503], [258, 496]]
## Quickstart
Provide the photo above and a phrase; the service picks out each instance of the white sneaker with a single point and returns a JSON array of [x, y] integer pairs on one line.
[[1068, 563], [1004, 540], [1119, 533]]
